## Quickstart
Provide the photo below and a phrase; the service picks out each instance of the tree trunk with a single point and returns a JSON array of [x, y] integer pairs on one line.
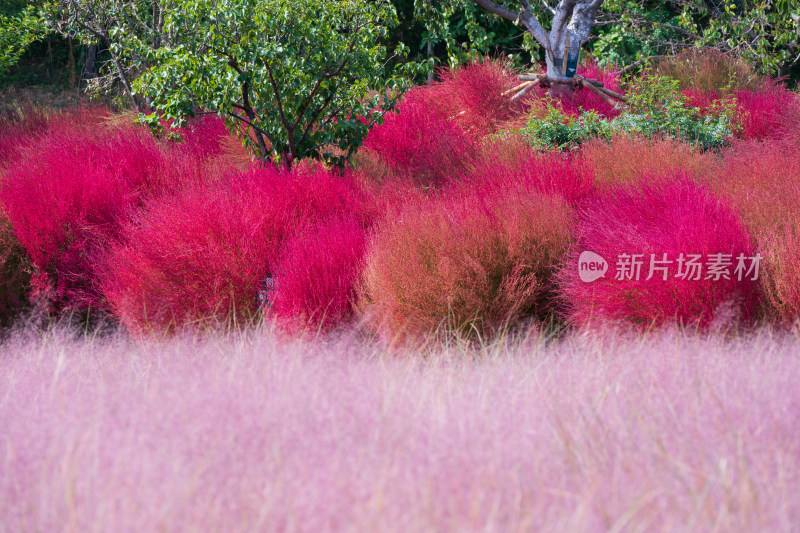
[[572, 22], [73, 75], [90, 64]]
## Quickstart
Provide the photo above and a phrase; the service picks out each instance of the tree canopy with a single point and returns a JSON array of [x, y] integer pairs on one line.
[[303, 75]]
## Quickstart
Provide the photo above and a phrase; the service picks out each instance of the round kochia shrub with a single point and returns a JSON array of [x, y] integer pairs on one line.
[[474, 95], [762, 180], [316, 274], [671, 216], [420, 143], [201, 256], [472, 263], [66, 191]]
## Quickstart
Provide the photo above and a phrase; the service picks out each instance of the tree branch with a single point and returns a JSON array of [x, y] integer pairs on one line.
[[525, 17], [498, 10]]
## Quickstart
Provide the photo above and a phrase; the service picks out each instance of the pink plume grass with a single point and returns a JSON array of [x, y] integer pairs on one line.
[[249, 433]]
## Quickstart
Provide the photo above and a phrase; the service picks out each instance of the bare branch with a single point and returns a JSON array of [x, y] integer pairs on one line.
[[498, 10], [525, 17]]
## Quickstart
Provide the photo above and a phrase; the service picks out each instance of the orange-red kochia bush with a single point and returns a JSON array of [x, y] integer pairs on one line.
[[474, 263]]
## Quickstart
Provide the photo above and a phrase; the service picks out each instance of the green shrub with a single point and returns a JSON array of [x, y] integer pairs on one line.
[[564, 132], [656, 108]]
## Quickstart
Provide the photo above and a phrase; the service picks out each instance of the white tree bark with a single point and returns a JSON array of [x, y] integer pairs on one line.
[[572, 22]]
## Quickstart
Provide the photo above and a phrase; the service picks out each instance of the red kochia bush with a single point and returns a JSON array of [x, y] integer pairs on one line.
[[762, 180], [65, 194], [201, 256], [662, 216], [316, 273], [473, 95], [472, 263], [16, 124], [420, 143], [531, 172]]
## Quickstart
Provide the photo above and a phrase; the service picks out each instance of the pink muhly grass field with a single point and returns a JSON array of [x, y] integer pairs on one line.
[[201, 256], [246, 432], [669, 215]]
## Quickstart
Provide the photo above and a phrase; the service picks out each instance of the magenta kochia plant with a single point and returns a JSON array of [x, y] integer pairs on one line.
[[664, 223], [529, 172], [76, 176], [316, 274], [475, 95], [65, 193], [420, 143], [202, 256]]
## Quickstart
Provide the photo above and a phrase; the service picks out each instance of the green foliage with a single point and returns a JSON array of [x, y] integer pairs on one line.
[[764, 32], [465, 32], [557, 131], [633, 30], [17, 32], [302, 76], [656, 108]]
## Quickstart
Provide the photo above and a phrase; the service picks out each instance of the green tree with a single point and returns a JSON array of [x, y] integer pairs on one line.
[[460, 31], [121, 28], [301, 76], [17, 32], [570, 24], [764, 32]]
